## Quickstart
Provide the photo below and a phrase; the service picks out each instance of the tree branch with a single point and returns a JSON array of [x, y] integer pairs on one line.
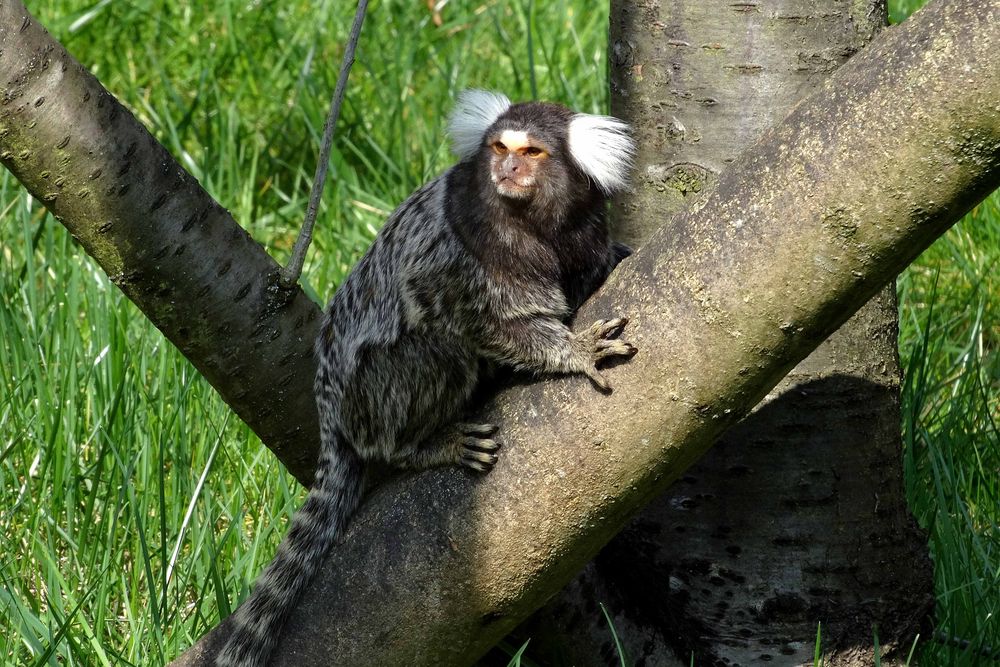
[[160, 237], [290, 274], [901, 141], [893, 149]]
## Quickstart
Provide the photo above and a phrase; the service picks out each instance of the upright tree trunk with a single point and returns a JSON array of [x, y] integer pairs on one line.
[[797, 516]]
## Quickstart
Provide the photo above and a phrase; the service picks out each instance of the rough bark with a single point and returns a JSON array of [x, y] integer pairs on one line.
[[160, 237], [719, 314], [733, 565]]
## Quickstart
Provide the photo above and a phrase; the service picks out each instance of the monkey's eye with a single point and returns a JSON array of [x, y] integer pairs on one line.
[[499, 148], [533, 151]]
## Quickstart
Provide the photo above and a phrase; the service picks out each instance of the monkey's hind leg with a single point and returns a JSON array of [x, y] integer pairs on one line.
[[464, 444]]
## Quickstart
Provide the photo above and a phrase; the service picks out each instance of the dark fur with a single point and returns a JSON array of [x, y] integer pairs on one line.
[[459, 275]]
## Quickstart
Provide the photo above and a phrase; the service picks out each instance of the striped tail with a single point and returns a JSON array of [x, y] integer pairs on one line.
[[333, 498]]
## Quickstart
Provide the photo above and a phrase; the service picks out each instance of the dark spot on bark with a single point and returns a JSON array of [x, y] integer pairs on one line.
[[158, 202], [490, 617], [794, 542], [189, 223], [95, 174], [25, 24], [733, 550], [130, 151], [103, 229], [243, 292], [783, 606], [123, 190], [224, 269], [86, 96], [180, 250], [202, 291], [162, 252]]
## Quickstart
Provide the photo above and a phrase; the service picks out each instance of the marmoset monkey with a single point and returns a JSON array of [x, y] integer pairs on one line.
[[487, 262]]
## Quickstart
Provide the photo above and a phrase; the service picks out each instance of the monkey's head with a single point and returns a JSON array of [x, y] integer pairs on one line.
[[544, 153]]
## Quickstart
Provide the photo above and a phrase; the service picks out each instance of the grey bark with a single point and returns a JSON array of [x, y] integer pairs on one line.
[[771, 532], [438, 566]]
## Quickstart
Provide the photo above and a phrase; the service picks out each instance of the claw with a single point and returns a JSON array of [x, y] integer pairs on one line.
[[598, 379], [613, 328], [466, 428], [482, 444]]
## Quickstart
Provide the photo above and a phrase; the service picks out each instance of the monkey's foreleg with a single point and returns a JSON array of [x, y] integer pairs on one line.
[[546, 345]]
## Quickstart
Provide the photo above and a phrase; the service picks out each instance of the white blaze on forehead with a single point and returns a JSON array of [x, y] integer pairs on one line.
[[514, 139]]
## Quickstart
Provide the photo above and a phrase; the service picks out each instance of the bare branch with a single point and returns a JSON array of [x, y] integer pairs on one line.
[[290, 274]]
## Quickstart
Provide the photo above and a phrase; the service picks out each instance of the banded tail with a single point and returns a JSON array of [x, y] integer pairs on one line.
[[333, 498]]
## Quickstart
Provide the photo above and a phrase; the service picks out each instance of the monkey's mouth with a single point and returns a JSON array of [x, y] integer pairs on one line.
[[508, 187]]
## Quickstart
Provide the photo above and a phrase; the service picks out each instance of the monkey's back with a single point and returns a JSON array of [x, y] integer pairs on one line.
[[395, 360]]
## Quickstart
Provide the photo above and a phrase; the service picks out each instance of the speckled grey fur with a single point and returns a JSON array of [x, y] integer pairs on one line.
[[460, 278]]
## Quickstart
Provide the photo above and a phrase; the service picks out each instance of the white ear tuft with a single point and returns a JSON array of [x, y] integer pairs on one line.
[[603, 148], [475, 111]]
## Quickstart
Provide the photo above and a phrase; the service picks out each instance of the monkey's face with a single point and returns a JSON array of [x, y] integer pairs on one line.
[[517, 163]]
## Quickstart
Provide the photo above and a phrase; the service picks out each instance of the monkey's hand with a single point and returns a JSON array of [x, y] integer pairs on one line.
[[546, 345], [467, 445], [599, 342]]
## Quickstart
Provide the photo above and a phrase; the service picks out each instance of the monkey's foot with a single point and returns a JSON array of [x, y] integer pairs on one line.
[[476, 449], [601, 342]]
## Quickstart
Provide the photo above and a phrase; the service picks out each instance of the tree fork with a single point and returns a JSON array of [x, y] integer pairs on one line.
[[438, 566]]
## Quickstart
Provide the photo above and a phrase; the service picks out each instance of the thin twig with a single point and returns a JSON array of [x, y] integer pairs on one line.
[[290, 274]]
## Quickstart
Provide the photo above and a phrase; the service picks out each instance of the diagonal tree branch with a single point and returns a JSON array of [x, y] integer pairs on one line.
[[900, 142], [892, 150]]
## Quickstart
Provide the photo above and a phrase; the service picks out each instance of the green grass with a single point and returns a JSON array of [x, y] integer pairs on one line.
[[134, 507]]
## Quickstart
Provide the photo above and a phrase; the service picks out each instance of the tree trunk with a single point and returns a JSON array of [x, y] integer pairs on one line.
[[721, 566], [719, 317]]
